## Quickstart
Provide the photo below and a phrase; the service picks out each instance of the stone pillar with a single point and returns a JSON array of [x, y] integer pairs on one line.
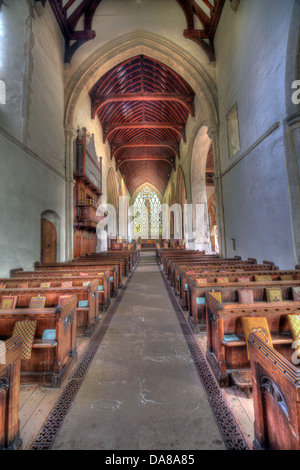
[[292, 150], [213, 133], [70, 136]]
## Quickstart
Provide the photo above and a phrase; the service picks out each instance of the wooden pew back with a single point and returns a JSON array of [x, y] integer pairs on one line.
[[87, 315], [226, 319], [276, 398], [50, 359]]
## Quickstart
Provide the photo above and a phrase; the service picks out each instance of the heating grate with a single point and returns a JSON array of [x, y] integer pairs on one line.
[[231, 433]]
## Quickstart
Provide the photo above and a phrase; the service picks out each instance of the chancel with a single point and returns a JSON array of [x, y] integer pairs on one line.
[[150, 226]]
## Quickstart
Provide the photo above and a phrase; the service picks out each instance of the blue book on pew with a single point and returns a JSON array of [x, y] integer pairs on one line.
[[83, 303], [111, 278], [100, 288], [49, 334], [229, 338], [200, 300]]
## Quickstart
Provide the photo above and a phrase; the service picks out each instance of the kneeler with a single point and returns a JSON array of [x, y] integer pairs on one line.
[[26, 330]]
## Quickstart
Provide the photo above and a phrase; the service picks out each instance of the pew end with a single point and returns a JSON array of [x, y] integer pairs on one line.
[[276, 398]]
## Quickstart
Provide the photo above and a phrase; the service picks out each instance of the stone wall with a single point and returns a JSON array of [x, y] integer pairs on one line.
[[251, 46], [32, 147]]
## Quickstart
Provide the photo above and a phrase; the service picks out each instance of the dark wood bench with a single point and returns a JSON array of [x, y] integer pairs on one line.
[[112, 265], [73, 273], [179, 276], [199, 259], [57, 281], [225, 358], [276, 397], [87, 301], [10, 363], [196, 295], [50, 359], [128, 259], [188, 284]]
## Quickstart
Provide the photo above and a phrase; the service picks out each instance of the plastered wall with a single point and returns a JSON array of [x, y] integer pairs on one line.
[[31, 134], [251, 49]]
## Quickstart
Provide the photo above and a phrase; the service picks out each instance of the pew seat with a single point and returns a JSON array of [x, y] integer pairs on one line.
[[86, 316], [50, 360], [225, 320]]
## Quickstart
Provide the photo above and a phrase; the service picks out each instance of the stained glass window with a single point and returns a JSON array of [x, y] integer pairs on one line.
[[147, 214]]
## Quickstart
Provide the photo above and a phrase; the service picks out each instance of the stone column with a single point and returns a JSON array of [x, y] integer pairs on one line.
[[213, 133], [292, 150], [70, 136]]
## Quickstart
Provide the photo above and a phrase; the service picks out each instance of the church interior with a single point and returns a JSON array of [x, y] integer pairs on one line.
[[150, 235]]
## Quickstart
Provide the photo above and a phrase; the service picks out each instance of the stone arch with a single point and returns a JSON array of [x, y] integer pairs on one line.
[[200, 152], [130, 45], [161, 49], [140, 188]]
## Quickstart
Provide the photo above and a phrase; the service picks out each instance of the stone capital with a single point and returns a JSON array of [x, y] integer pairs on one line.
[[70, 132]]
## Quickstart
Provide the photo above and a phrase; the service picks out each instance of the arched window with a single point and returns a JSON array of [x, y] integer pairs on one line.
[[147, 214], [2, 92]]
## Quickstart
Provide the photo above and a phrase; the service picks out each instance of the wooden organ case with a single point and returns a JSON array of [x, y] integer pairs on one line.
[[87, 189]]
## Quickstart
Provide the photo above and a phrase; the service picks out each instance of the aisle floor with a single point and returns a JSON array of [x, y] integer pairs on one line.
[[142, 390]]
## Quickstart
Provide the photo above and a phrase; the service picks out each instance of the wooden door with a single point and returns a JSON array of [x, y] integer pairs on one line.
[[48, 242]]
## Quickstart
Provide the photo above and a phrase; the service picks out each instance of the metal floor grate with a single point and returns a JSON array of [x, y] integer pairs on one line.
[[231, 433], [232, 436], [46, 436]]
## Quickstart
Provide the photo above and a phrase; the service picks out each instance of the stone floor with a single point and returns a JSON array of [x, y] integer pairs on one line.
[[142, 390]]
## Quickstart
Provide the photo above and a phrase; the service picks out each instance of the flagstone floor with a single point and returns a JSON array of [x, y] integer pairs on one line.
[[142, 390]]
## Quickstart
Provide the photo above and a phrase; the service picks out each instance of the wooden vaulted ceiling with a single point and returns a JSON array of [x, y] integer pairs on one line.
[[143, 107], [202, 17]]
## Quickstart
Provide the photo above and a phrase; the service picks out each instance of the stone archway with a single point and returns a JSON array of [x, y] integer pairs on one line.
[[161, 49]]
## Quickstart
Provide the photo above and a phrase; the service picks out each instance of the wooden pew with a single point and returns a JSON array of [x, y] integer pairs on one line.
[[50, 359], [72, 273], [229, 292], [10, 362], [35, 279], [195, 259], [196, 265], [128, 259], [188, 283], [179, 274], [276, 397], [228, 359], [164, 255], [88, 266], [86, 315]]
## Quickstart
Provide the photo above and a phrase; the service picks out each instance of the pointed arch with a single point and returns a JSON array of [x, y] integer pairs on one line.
[[130, 45]]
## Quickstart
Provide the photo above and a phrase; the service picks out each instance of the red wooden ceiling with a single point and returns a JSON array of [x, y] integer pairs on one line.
[[142, 104], [143, 107]]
